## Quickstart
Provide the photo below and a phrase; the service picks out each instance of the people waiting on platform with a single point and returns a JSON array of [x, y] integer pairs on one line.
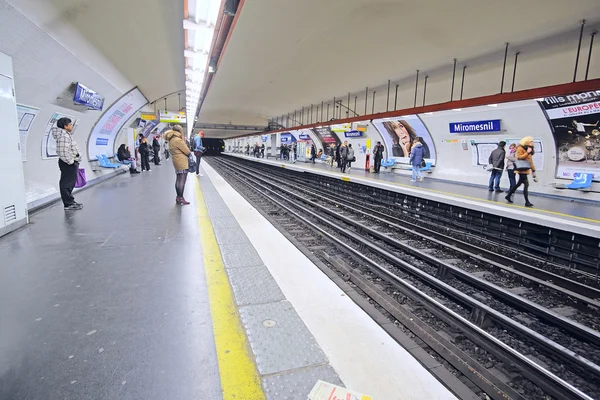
[[68, 162], [496, 161], [198, 151], [343, 156], [510, 164], [156, 150], [416, 158], [144, 151], [351, 158], [377, 157], [180, 153], [124, 155], [523, 167]]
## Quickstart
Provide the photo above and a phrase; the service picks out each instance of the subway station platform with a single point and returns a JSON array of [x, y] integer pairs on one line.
[[136, 298], [550, 211]]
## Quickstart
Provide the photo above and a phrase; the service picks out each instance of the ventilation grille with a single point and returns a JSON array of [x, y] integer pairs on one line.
[[10, 214]]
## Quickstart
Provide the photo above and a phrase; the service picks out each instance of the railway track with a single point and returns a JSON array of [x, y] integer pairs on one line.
[[414, 275]]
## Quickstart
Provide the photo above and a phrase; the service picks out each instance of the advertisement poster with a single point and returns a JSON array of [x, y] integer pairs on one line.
[[482, 148], [575, 122], [399, 135], [48, 142], [326, 136], [25, 115], [107, 128]]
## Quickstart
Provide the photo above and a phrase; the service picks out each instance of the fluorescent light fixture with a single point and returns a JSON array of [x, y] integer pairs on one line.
[[492, 105], [457, 109], [195, 53], [211, 69], [539, 99]]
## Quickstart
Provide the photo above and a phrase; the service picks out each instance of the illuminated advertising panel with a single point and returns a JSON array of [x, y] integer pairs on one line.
[[399, 135]]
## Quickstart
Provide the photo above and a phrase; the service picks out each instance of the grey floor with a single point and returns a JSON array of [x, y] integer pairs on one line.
[[109, 302], [555, 203]]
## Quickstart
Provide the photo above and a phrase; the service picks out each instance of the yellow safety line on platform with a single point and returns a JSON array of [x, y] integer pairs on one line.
[[239, 377], [358, 179]]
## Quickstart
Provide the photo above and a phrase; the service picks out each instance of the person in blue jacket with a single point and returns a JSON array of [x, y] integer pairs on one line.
[[416, 157], [198, 150]]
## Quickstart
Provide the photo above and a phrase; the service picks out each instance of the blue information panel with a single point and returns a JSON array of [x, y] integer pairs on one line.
[[491, 125], [353, 134], [88, 97]]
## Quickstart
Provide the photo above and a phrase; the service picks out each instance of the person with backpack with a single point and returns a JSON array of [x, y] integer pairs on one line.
[[416, 158], [68, 162], [198, 151], [351, 157], [496, 161]]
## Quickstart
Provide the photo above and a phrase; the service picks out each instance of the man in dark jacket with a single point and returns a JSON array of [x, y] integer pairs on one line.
[[377, 157], [156, 149], [496, 162]]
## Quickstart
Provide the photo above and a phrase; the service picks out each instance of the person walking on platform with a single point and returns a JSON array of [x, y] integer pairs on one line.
[[377, 157], [313, 153], [156, 150], [262, 150], [180, 153], [343, 156], [524, 166], [416, 158], [144, 150], [510, 164], [496, 161], [338, 158], [351, 158], [68, 162], [198, 151]]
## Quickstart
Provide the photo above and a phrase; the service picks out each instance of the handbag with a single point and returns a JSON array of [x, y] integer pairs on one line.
[[423, 164], [522, 165], [81, 179], [192, 164]]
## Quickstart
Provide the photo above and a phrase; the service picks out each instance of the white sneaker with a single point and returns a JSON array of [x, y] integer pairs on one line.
[[412, 180], [421, 179]]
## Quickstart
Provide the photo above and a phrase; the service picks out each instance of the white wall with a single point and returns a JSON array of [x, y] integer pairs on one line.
[[44, 69]]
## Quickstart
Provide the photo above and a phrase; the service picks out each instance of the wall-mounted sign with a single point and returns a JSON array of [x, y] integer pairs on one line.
[[148, 116], [399, 136], [492, 125], [171, 117], [326, 136], [304, 136], [353, 134], [88, 97], [264, 138], [111, 122]]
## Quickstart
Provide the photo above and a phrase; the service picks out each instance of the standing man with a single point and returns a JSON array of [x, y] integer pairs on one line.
[[343, 156], [496, 160], [313, 153], [262, 151], [198, 150], [377, 157], [68, 162]]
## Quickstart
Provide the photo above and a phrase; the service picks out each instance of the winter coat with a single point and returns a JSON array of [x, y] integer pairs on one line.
[[416, 155], [510, 160], [497, 158], [344, 152], [350, 153], [144, 149], [123, 153], [66, 148], [179, 150], [378, 152], [155, 145], [522, 154]]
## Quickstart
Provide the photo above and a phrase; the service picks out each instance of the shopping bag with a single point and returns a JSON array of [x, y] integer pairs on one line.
[[81, 180]]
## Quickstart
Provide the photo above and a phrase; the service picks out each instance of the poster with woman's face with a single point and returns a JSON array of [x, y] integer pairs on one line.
[[399, 135]]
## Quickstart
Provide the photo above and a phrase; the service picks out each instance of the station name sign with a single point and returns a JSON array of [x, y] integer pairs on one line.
[[88, 97], [353, 134], [491, 125]]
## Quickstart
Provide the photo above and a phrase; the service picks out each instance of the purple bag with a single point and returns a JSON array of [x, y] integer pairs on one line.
[[81, 180]]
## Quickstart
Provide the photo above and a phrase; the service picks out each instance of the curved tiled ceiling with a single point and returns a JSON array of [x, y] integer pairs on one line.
[[285, 54]]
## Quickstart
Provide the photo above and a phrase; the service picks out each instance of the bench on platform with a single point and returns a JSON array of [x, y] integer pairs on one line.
[[581, 181]]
